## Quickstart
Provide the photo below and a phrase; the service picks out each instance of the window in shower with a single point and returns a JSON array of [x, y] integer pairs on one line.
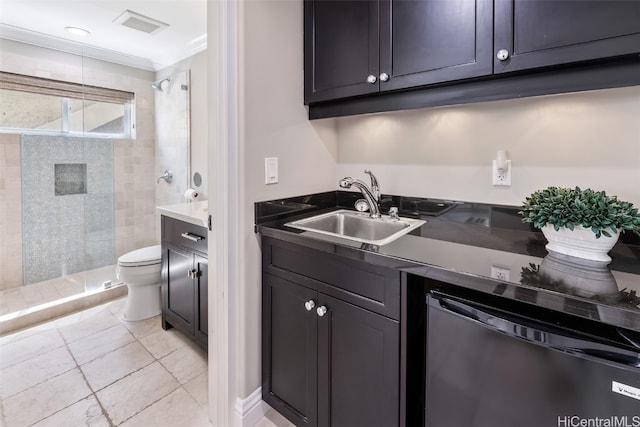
[[43, 106]]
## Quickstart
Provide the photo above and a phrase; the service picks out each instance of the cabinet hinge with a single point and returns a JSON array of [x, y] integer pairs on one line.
[[209, 223]]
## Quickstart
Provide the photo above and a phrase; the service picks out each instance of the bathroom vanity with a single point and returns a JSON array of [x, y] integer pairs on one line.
[[185, 270]]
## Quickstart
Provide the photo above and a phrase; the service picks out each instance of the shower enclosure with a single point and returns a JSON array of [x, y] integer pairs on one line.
[[67, 208], [77, 186]]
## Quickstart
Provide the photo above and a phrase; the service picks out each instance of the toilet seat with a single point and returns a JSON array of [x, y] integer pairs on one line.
[[141, 257]]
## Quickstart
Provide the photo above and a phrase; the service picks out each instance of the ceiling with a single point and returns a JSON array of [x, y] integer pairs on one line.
[[42, 22]]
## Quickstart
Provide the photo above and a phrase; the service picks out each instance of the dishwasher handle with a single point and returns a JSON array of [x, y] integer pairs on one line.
[[540, 334]]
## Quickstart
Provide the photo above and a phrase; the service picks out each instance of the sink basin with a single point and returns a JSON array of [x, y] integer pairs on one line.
[[358, 226]]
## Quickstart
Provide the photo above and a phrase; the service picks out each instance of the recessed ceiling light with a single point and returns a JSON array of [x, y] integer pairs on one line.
[[77, 31]]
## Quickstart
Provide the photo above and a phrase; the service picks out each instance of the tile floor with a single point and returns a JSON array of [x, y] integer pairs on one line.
[[93, 368]]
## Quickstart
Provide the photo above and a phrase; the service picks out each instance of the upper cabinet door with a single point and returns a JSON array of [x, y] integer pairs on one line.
[[539, 33], [431, 41], [341, 48]]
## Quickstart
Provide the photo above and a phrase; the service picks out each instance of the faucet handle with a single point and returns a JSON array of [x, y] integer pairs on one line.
[[393, 213], [375, 188]]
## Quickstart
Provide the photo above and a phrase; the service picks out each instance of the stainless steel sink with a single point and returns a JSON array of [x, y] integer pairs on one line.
[[357, 226]]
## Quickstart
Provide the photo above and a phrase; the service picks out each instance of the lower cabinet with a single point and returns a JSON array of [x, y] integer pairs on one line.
[[327, 362], [184, 284]]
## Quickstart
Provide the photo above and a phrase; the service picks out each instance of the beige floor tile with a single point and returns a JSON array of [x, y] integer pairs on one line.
[[185, 363], [86, 412], [274, 419], [163, 342], [20, 350], [176, 409], [143, 328], [117, 307], [86, 323], [198, 388], [132, 394], [100, 343], [112, 366], [36, 370], [37, 403]]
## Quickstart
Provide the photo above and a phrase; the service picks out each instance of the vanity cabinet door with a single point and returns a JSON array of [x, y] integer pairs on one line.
[[541, 33], [178, 290], [289, 349], [201, 266], [358, 375]]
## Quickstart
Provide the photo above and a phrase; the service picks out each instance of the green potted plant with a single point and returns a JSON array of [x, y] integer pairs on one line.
[[580, 223]]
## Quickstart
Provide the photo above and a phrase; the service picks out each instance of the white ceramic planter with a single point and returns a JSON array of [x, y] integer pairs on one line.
[[581, 243]]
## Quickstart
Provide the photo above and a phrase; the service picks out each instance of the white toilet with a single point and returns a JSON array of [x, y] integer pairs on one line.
[[140, 270]]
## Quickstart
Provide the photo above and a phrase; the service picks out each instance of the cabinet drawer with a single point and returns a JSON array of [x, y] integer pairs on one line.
[[184, 234], [368, 286]]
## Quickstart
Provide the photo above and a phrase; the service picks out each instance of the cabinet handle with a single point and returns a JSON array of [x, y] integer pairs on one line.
[[309, 305], [322, 310], [192, 237], [503, 54], [384, 77], [371, 79]]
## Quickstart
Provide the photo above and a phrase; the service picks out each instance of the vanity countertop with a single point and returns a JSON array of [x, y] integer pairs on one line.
[[488, 249], [193, 212]]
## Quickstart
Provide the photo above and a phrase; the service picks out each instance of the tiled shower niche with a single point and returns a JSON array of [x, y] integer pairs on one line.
[[68, 206], [70, 178]]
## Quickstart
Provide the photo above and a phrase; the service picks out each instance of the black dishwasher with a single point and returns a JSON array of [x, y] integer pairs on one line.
[[490, 367]]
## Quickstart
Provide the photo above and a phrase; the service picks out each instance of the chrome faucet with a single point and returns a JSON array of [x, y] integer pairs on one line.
[[375, 188], [372, 200]]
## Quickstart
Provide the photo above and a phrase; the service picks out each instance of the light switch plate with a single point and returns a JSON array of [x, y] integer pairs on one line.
[[270, 170]]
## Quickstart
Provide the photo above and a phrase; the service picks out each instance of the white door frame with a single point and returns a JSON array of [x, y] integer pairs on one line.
[[223, 172]]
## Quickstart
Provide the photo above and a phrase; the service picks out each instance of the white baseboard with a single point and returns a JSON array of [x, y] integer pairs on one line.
[[250, 410]]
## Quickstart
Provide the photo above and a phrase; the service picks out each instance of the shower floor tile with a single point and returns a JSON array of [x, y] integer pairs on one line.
[[25, 297]]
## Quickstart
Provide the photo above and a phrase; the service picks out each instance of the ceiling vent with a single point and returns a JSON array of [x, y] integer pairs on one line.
[[140, 22]]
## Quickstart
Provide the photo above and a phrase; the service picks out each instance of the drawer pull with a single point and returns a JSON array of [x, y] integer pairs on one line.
[[192, 237]]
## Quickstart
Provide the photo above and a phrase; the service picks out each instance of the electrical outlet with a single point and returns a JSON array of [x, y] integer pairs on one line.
[[501, 178], [500, 273]]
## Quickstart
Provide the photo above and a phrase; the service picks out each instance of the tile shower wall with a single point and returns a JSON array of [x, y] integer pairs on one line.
[[67, 206], [133, 164], [10, 212]]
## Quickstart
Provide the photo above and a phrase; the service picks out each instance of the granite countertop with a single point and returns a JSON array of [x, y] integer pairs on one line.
[[485, 248], [191, 212]]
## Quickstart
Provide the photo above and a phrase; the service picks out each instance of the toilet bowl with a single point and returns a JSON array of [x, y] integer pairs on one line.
[[140, 271]]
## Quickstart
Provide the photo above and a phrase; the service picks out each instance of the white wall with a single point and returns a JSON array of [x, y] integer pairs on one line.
[[589, 139], [273, 123]]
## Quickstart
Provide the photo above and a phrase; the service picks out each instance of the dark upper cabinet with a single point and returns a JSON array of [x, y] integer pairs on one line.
[[432, 41], [361, 47], [341, 48], [381, 55], [541, 33]]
